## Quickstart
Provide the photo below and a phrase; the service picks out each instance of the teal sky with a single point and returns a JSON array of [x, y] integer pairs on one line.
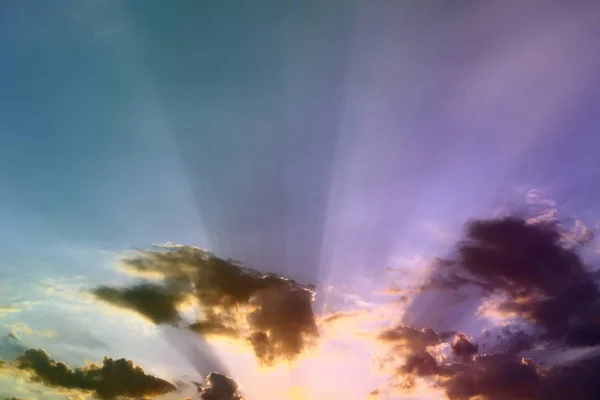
[[324, 140]]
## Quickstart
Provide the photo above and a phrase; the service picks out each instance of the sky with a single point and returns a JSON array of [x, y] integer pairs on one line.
[[329, 141]]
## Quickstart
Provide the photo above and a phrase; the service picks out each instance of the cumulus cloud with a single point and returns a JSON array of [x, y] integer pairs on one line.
[[115, 378], [219, 387], [274, 314], [531, 270]]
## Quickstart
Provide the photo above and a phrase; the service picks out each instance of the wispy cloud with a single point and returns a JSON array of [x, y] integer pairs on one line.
[[20, 328], [4, 310]]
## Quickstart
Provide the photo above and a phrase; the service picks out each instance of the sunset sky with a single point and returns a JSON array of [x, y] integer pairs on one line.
[[340, 143]]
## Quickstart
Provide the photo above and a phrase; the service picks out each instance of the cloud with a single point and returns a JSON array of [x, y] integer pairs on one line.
[[219, 387], [463, 347], [274, 314], [114, 378], [493, 379], [577, 381], [409, 338], [21, 328], [531, 270], [538, 277], [466, 375], [208, 328], [8, 310], [339, 316], [415, 348], [153, 301]]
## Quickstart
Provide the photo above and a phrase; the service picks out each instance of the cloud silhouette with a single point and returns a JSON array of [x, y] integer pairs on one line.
[[273, 313], [576, 381], [492, 378], [488, 376], [415, 347], [463, 347], [219, 387], [114, 378], [470, 375], [538, 277], [153, 301], [529, 269]]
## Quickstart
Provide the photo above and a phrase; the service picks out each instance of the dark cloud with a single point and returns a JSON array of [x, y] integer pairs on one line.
[[114, 378], [531, 271], [420, 363], [499, 377], [410, 338], [272, 312], [219, 387], [575, 381], [473, 376], [414, 347], [493, 380], [463, 348], [510, 340], [213, 328], [155, 302], [531, 267]]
